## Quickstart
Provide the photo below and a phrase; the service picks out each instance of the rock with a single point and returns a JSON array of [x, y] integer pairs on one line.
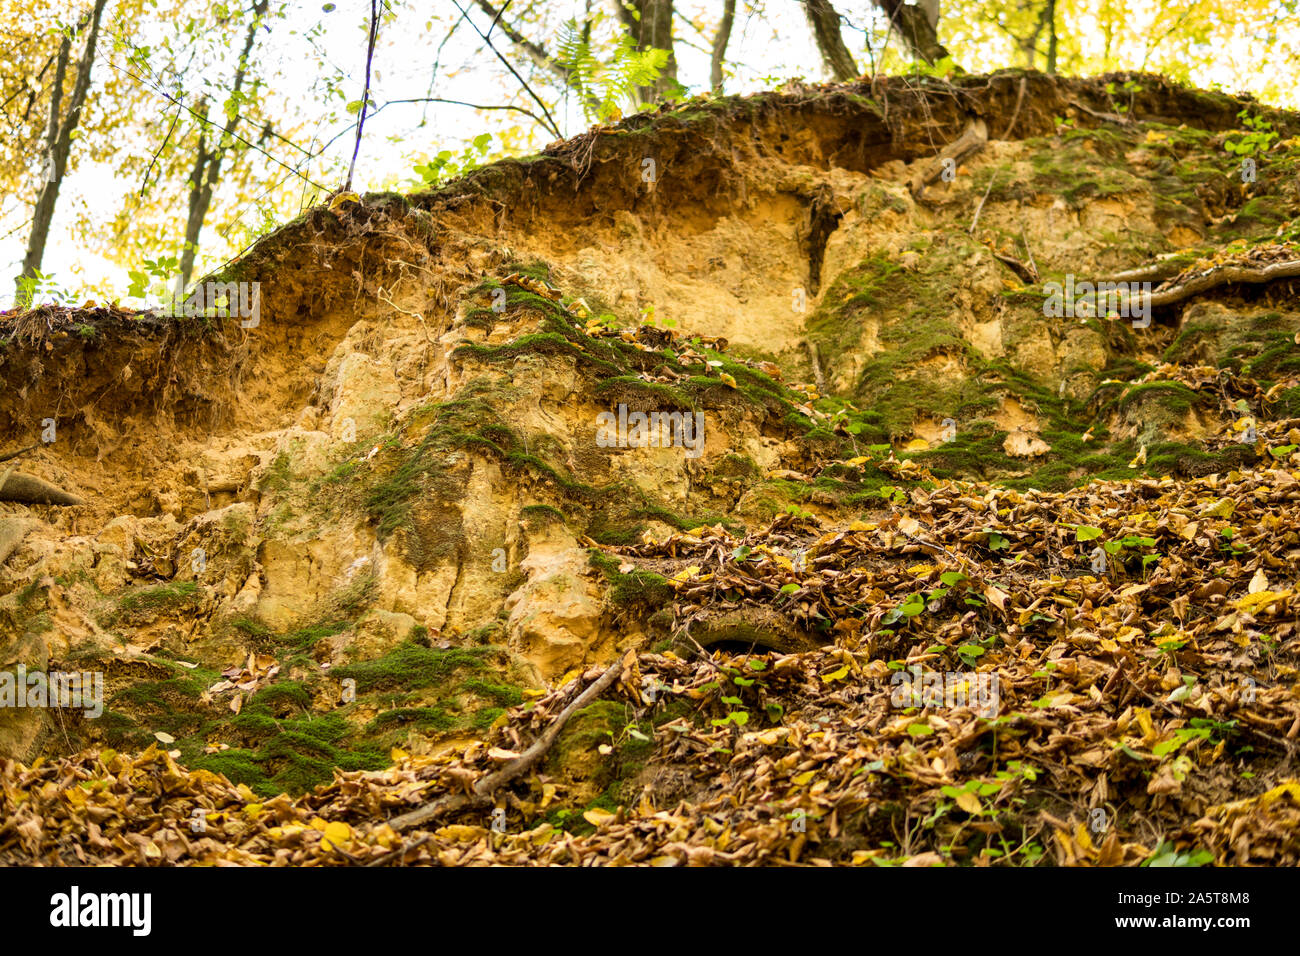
[[21, 728], [377, 633], [555, 615], [1022, 443], [365, 391]]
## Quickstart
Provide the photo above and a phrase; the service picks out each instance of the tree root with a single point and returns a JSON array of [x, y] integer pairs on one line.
[[12, 532], [1223, 275], [1220, 275], [482, 793], [28, 489]]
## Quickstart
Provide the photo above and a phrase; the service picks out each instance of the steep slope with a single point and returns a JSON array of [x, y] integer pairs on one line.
[[361, 530]]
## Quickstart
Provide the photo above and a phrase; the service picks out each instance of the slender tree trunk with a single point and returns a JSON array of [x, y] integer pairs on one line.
[[1051, 36], [207, 164], [58, 143], [720, 41], [825, 23], [650, 25]]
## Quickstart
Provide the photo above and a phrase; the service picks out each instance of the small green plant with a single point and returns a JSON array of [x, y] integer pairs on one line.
[[1256, 140], [1166, 854], [43, 286], [1131, 87], [153, 276], [447, 165]]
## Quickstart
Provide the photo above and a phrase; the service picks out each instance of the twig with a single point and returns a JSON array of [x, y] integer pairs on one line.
[[1029, 251], [1108, 117], [522, 82]]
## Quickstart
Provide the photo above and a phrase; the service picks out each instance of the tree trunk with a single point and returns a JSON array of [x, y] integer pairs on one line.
[[650, 25], [1051, 36], [918, 30], [58, 146], [720, 40], [207, 164], [825, 23]]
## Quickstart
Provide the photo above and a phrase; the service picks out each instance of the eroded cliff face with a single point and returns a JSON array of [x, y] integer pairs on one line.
[[383, 515]]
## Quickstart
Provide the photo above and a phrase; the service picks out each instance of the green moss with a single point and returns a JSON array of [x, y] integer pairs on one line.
[[502, 694], [158, 598], [423, 718], [410, 666], [542, 514]]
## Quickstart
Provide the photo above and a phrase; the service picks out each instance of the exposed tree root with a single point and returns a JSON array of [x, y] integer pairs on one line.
[[12, 532], [31, 490], [1219, 275]]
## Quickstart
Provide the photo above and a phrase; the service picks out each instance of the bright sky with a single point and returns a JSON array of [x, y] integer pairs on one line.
[[400, 135]]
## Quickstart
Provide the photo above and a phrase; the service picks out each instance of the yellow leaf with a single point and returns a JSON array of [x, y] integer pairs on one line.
[[1144, 721], [1259, 599], [727, 379], [337, 833], [686, 573], [397, 755], [341, 198], [840, 674], [916, 444], [968, 802], [461, 832], [597, 817], [803, 779]]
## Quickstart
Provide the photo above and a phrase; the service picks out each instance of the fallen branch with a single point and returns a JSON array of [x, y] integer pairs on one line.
[[484, 789], [1161, 269], [1019, 268], [1224, 275]]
